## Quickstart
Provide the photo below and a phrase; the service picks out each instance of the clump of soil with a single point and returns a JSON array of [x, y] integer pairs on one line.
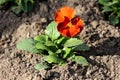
[[103, 39]]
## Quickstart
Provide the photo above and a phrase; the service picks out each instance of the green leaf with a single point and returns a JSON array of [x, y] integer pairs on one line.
[[51, 31], [58, 51], [53, 58], [58, 41], [41, 46], [73, 42], [81, 60], [41, 38], [71, 56], [27, 5], [27, 45], [61, 40], [103, 1], [111, 3], [107, 9], [18, 2], [3, 1], [51, 46], [41, 66], [66, 52], [49, 43], [82, 47], [113, 20], [16, 9], [118, 14]]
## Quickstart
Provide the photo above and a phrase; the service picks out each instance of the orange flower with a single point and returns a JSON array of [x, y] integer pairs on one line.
[[68, 25]]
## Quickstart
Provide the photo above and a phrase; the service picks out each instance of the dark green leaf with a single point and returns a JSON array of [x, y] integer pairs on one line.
[[16, 9], [27, 45], [53, 58], [51, 30], [107, 2], [41, 66], [71, 56], [3, 1], [107, 9], [111, 3], [113, 20], [27, 5], [103, 2], [66, 52], [82, 47], [81, 60], [58, 41], [73, 42], [118, 14]]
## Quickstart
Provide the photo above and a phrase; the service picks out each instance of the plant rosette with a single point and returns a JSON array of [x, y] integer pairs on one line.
[[112, 8], [58, 45], [17, 6]]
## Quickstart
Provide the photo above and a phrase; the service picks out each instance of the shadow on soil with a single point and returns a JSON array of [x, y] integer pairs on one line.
[[111, 46]]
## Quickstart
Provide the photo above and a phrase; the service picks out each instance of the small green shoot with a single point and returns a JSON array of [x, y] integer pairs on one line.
[[112, 8], [18, 6]]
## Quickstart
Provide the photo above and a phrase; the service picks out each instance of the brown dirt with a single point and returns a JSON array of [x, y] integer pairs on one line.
[[103, 39]]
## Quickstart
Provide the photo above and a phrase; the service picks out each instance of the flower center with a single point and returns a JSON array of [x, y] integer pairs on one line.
[[69, 24]]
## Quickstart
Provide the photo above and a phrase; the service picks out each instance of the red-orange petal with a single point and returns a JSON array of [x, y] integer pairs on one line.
[[64, 12], [73, 30], [77, 22], [68, 12], [59, 17], [65, 32], [63, 25], [69, 31]]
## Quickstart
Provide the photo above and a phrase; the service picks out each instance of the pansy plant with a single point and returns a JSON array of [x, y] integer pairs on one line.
[[58, 45]]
